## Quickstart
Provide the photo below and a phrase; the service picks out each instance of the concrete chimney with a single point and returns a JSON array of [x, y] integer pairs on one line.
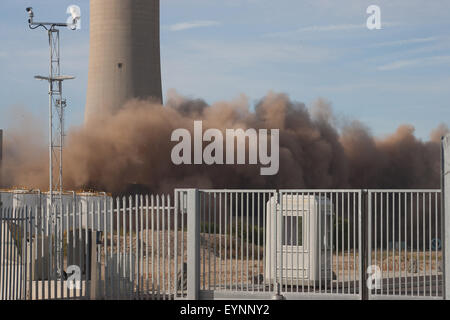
[[124, 61]]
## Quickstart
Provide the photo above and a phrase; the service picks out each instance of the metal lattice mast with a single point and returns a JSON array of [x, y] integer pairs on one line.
[[56, 118], [56, 107]]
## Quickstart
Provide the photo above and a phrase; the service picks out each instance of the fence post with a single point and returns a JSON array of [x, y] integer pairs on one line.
[[365, 244], [445, 224], [193, 244], [94, 293]]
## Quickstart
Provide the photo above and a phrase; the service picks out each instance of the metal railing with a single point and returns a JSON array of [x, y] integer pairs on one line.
[[227, 244], [405, 243]]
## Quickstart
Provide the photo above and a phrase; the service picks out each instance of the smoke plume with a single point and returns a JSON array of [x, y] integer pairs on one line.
[[129, 151]]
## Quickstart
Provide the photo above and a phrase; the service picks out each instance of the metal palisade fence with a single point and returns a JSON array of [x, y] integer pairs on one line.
[[227, 244], [405, 246]]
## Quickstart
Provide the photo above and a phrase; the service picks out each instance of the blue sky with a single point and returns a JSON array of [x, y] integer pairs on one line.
[[218, 50]]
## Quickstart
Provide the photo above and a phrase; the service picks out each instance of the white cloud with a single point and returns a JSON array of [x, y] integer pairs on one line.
[[405, 42], [244, 54], [427, 61], [325, 28], [193, 24]]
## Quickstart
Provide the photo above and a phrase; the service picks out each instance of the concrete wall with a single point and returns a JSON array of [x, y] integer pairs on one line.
[[124, 60]]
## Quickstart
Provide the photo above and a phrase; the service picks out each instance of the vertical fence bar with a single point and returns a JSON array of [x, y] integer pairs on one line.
[[225, 240], [242, 242], [394, 270], [330, 241], [117, 269], [43, 227], [169, 260], [405, 235], [158, 262], [348, 242], [303, 216], [354, 242], [175, 252], [387, 241], [417, 244], [136, 270], [11, 255], [130, 246], [237, 239], [436, 242], [208, 243], [320, 239], [202, 204], [2, 249], [371, 222], [399, 241], [327, 240], [71, 236], [66, 237], [290, 216], [258, 235], [247, 195], [163, 228], [215, 236], [183, 216], [153, 246], [298, 216], [445, 220], [14, 249], [94, 257], [231, 236], [111, 265], [48, 233], [147, 287], [141, 247], [411, 251], [193, 244], [7, 254], [253, 240], [360, 244], [430, 252], [32, 262], [24, 254], [423, 244], [124, 283], [220, 239], [266, 231]]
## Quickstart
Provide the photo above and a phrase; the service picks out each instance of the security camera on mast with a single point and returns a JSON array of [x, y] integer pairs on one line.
[[56, 107]]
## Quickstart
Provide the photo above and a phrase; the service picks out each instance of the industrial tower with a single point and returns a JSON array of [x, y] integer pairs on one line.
[[124, 58]]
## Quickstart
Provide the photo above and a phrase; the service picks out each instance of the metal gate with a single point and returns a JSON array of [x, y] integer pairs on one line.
[[294, 244], [404, 240]]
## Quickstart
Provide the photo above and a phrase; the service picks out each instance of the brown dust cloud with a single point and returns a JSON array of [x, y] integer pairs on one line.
[[130, 151]]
